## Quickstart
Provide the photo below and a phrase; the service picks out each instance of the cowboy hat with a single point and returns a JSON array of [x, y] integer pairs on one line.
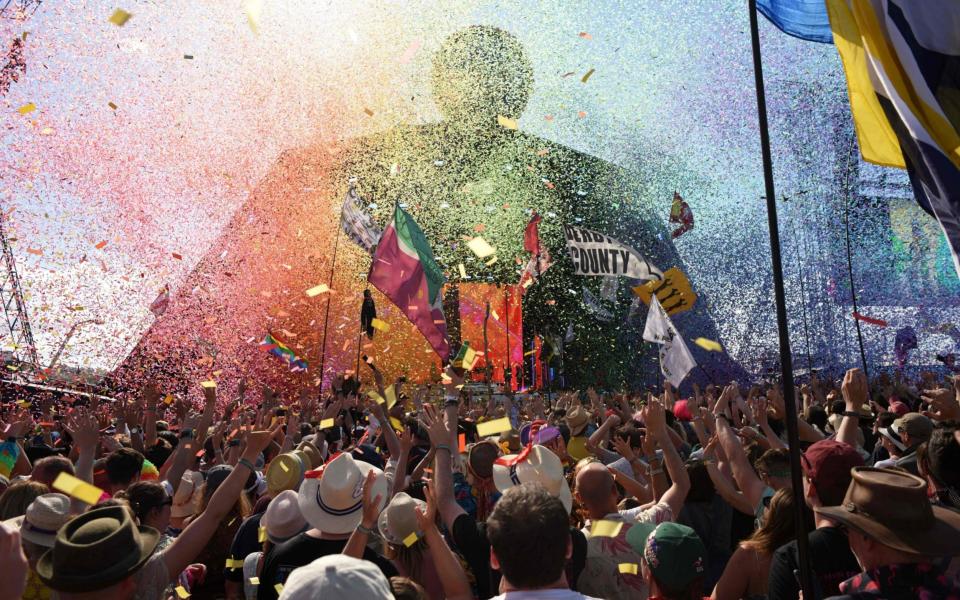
[[331, 497], [892, 507], [577, 420], [96, 550], [540, 466], [399, 519]]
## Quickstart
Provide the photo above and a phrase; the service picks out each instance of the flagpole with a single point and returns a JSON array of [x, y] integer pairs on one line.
[[786, 361], [326, 317], [853, 288]]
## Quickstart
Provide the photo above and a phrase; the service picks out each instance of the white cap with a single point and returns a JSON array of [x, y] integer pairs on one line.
[[337, 577]]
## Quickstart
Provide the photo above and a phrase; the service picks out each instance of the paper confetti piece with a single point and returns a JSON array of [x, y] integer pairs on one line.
[[491, 261], [581, 115], [326, 423], [208, 384], [233, 563], [463, 271], [506, 122], [368, 111], [120, 17], [480, 247], [397, 425], [77, 488], [112, 105], [279, 588], [380, 325], [407, 55], [318, 289], [586, 35], [628, 568], [871, 320], [494, 427], [462, 440], [587, 76], [261, 534], [188, 57], [606, 528], [253, 10], [254, 581], [27, 108], [708, 345], [168, 399], [182, 592], [35, 251], [410, 539], [101, 245]]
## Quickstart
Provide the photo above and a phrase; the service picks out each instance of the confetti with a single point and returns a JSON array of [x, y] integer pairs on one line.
[[586, 35], [587, 75], [182, 592], [628, 568], [326, 424], [380, 325], [209, 384], [188, 57], [407, 55], [708, 345], [410, 539], [494, 427], [254, 581], [261, 534], [27, 108], [463, 271], [506, 122], [120, 17], [490, 262], [77, 488], [606, 528], [317, 290], [278, 588], [368, 111], [253, 9], [480, 247], [101, 245]]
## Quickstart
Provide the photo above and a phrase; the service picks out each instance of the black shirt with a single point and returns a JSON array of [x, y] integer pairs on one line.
[[301, 550], [830, 558], [470, 539], [244, 542]]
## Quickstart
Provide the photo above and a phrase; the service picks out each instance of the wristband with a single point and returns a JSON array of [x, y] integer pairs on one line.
[[443, 447], [247, 464], [656, 471], [365, 530], [850, 413]]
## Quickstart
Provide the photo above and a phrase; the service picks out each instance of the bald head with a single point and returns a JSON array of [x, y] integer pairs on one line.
[[596, 490]]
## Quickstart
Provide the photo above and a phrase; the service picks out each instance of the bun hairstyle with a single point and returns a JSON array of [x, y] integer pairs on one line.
[[143, 497]]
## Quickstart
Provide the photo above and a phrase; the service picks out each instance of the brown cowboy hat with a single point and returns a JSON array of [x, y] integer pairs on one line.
[[95, 550], [892, 507]]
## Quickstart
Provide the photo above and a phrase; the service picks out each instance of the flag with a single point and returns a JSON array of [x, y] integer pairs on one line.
[[531, 235], [675, 358], [535, 267], [405, 271], [594, 253], [594, 307], [900, 61], [356, 223], [805, 19], [280, 350], [538, 382], [160, 304], [680, 213]]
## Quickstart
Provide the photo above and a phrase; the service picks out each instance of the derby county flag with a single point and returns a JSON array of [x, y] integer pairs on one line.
[[675, 358], [593, 253]]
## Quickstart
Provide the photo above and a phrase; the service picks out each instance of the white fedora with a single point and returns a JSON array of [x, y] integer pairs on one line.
[[331, 497], [44, 516], [540, 466], [399, 519]]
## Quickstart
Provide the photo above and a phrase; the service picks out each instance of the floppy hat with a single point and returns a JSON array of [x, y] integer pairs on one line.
[[539, 466], [337, 577], [673, 552], [45, 515], [283, 519], [399, 519], [286, 471], [185, 498], [892, 507], [96, 550], [331, 497], [577, 419]]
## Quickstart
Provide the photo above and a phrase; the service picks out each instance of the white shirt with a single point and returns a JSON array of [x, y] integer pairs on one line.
[[554, 594]]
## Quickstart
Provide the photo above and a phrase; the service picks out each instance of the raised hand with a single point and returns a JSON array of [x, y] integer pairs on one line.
[[371, 506], [435, 425], [427, 516], [258, 440], [13, 562], [406, 441], [855, 390], [82, 427], [622, 447]]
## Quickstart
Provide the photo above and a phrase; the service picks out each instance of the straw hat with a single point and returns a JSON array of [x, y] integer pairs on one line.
[[577, 419], [331, 497], [185, 498], [312, 453], [286, 471], [540, 466], [45, 515], [399, 519], [892, 507], [282, 518]]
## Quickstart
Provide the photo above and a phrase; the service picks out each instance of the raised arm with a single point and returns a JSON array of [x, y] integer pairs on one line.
[[150, 397], [743, 473], [453, 579], [437, 429], [855, 394], [655, 420]]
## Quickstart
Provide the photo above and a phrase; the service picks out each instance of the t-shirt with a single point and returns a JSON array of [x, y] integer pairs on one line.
[[471, 540], [601, 575], [245, 542], [556, 594], [830, 558], [303, 549], [152, 578]]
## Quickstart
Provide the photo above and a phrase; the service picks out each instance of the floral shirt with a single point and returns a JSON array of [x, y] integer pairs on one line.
[[467, 496], [922, 581], [601, 576]]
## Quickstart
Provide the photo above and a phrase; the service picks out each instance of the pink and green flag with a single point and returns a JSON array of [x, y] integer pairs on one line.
[[405, 271]]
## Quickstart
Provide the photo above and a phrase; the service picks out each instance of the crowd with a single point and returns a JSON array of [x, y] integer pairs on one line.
[[429, 493]]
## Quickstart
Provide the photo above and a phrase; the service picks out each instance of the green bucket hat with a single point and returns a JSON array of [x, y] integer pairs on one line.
[[673, 552], [95, 550]]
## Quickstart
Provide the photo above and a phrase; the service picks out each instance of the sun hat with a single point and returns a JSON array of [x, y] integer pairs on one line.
[[44, 516], [337, 577], [331, 497], [283, 519], [95, 550], [917, 426], [892, 507], [673, 552], [480, 457], [539, 466], [530, 429], [827, 465], [312, 453], [399, 519], [577, 419], [286, 471], [891, 434], [185, 498]]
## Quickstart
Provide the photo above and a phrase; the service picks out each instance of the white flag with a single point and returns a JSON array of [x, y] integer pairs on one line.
[[595, 254], [675, 358]]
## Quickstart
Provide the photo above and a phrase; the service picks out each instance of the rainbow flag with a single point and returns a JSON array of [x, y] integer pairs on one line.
[[280, 350]]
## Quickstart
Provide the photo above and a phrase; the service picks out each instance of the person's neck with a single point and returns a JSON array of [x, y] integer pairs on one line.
[[317, 534], [600, 513], [559, 584]]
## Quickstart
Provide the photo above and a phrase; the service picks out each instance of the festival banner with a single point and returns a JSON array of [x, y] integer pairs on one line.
[[356, 223], [405, 271], [597, 254], [675, 358], [594, 307], [674, 292]]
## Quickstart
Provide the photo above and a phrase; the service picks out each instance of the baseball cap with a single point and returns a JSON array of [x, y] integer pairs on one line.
[[673, 552], [827, 464], [917, 426], [337, 577]]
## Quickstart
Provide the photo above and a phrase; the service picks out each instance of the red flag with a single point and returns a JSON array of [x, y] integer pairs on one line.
[[871, 320], [531, 235], [159, 306]]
